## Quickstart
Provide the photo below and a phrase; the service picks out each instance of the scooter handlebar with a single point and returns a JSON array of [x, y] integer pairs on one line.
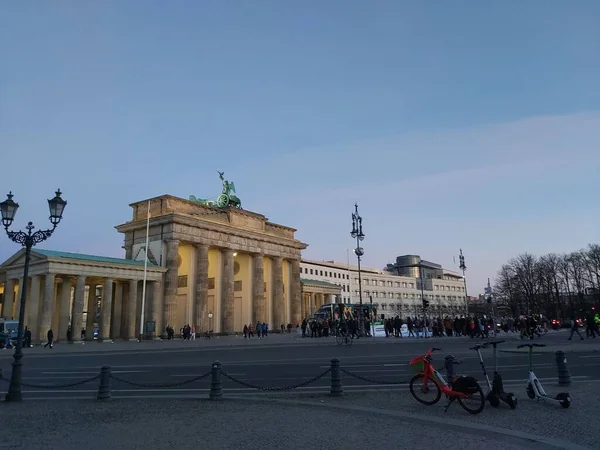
[[531, 345]]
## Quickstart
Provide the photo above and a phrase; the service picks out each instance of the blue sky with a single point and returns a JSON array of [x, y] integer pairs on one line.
[[453, 124]]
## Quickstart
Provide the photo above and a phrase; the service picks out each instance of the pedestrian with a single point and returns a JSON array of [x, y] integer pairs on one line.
[[50, 336], [574, 329]]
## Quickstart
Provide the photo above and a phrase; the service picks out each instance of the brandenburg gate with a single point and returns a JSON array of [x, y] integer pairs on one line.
[[226, 261]]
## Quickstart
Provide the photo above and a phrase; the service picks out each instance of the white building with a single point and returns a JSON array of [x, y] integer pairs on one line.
[[394, 294]]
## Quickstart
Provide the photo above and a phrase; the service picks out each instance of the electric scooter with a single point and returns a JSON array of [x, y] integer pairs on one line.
[[534, 386], [496, 389]]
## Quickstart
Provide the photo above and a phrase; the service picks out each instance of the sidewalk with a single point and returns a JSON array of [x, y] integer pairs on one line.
[[254, 423], [175, 344], [576, 424]]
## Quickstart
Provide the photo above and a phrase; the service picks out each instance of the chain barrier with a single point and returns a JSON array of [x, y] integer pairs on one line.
[[55, 386], [370, 380], [275, 389], [160, 385]]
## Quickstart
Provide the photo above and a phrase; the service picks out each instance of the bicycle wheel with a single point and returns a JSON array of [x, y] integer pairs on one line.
[[474, 403], [420, 389], [339, 338], [349, 340]]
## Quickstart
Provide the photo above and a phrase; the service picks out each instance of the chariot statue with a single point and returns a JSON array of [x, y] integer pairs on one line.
[[227, 198]]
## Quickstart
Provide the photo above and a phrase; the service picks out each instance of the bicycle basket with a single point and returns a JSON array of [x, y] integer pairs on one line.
[[418, 364]]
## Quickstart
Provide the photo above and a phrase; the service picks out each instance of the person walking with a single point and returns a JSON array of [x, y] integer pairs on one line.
[[574, 329], [50, 336]]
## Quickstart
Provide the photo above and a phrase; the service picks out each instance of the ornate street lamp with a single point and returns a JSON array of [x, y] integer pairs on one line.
[[210, 318], [463, 267], [8, 209], [357, 233]]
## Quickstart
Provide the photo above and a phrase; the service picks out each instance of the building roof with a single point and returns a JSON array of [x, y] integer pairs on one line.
[[94, 258], [341, 266], [319, 283]]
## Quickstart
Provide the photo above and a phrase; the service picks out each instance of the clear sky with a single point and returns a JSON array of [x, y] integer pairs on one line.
[[463, 124]]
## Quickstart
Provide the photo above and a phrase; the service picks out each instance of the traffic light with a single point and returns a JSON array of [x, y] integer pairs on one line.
[[425, 304]]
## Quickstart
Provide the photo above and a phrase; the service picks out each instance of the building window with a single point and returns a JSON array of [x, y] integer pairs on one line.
[[211, 283], [237, 286], [182, 281], [311, 271]]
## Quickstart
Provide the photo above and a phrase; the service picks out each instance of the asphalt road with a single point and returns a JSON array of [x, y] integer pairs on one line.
[[382, 361]]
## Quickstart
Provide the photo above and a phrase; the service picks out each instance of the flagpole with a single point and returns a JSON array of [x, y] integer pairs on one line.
[[145, 275], [349, 280]]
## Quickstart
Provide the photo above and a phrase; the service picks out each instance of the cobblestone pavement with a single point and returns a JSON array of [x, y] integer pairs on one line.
[[223, 425], [578, 424]]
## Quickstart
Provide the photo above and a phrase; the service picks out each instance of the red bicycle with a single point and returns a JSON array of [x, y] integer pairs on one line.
[[429, 381]]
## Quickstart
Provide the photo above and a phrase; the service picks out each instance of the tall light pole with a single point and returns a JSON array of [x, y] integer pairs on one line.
[[28, 239], [463, 267], [357, 233]]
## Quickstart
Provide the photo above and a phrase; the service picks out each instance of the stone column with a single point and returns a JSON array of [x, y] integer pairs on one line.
[[116, 332], [132, 310], [64, 309], [77, 319], [107, 296], [278, 299], [201, 287], [296, 292], [172, 260], [311, 304], [47, 306], [259, 304], [33, 308], [157, 308], [227, 292], [9, 297], [92, 307]]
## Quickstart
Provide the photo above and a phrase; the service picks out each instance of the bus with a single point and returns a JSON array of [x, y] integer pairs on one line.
[[350, 311]]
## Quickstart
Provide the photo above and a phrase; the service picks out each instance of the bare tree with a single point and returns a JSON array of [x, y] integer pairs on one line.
[[505, 288], [527, 275], [577, 269]]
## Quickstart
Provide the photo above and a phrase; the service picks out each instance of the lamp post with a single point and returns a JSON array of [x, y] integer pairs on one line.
[[210, 317], [27, 239], [357, 233], [463, 267]]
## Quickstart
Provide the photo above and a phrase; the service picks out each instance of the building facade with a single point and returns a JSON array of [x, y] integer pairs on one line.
[[394, 294], [217, 268]]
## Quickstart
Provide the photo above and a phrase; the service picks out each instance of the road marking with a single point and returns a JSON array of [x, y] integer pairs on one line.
[[93, 373], [590, 356], [394, 365], [357, 387], [346, 366], [191, 375], [504, 366]]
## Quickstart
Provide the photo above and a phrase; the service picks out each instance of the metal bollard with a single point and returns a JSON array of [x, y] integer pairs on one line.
[[564, 376], [216, 384], [104, 386], [336, 379]]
